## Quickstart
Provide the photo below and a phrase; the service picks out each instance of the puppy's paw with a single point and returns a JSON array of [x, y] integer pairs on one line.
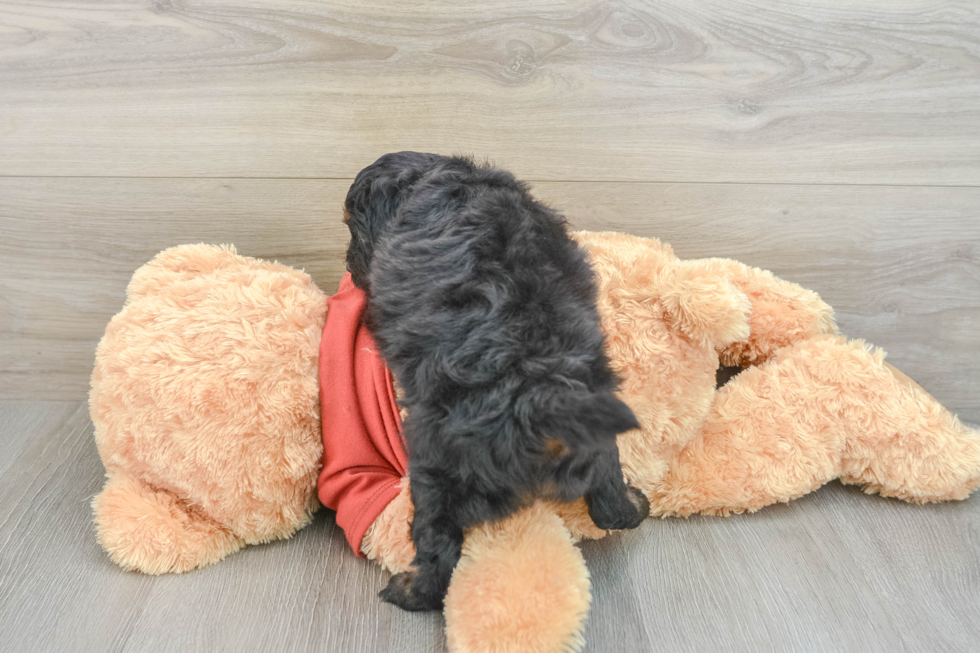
[[640, 504], [401, 591], [627, 510]]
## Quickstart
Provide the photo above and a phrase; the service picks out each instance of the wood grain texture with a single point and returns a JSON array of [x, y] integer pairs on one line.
[[836, 570], [900, 265], [811, 91], [70, 246]]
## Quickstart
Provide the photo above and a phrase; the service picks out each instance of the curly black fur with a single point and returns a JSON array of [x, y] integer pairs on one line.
[[484, 309]]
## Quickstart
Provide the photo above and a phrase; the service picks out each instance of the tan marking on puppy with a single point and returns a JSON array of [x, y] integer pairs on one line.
[[556, 448]]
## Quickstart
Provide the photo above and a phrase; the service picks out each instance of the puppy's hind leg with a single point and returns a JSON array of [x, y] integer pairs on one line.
[[613, 504], [438, 541]]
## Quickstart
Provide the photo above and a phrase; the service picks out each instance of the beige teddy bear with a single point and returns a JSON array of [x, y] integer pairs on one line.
[[205, 402]]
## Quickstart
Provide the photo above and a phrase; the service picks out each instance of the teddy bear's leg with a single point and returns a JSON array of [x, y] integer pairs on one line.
[[763, 441], [389, 539], [909, 446], [521, 586], [820, 409], [782, 313], [153, 532]]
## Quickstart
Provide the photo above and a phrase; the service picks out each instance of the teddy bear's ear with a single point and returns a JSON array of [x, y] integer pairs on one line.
[[704, 305], [181, 264]]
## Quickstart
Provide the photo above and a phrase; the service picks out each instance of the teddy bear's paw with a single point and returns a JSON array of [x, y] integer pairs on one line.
[[402, 591], [704, 305]]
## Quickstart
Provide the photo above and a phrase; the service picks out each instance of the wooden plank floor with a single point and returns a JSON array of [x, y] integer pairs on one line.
[[834, 571]]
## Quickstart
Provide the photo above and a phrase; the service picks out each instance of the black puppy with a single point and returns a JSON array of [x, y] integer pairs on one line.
[[484, 309]]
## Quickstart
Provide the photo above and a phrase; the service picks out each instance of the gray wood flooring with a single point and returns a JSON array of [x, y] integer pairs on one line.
[[834, 571]]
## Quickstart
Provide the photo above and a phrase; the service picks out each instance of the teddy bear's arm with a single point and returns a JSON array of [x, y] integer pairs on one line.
[[389, 539], [782, 313], [521, 584]]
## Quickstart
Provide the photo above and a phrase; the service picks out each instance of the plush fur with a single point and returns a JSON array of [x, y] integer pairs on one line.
[[179, 370], [205, 450], [484, 309]]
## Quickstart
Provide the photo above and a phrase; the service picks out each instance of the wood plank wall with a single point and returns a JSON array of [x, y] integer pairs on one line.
[[836, 143]]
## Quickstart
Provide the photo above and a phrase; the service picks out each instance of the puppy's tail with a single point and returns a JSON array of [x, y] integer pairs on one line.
[[373, 200]]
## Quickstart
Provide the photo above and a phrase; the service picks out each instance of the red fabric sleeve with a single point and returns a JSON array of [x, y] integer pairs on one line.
[[363, 449]]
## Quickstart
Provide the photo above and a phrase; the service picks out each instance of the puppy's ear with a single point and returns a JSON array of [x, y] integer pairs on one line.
[[373, 200], [366, 211], [584, 418], [604, 412]]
